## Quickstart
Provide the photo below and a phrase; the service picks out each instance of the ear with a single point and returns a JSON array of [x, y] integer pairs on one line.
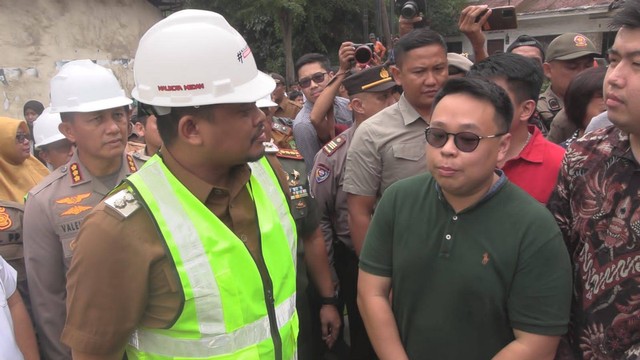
[[189, 129], [67, 130], [138, 128], [528, 108], [395, 72], [503, 147], [356, 105], [546, 67]]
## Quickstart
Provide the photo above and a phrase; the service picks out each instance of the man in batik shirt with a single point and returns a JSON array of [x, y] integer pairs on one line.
[[597, 205]]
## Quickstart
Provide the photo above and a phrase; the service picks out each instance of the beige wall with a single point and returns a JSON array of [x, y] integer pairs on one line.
[[39, 36]]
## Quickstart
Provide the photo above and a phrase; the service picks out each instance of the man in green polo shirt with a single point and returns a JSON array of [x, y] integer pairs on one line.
[[478, 268]]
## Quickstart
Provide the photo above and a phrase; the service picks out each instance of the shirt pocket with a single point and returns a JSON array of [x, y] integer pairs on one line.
[[413, 151]]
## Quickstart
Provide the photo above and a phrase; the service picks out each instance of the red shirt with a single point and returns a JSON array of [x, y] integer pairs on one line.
[[535, 170]]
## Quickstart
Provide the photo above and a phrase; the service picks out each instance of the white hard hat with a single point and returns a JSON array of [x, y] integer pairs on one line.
[[45, 128], [82, 86], [265, 102], [194, 57]]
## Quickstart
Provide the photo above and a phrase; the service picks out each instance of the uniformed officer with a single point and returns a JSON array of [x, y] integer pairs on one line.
[[311, 251], [369, 91], [194, 255], [94, 112], [11, 246], [284, 108], [566, 56], [147, 128]]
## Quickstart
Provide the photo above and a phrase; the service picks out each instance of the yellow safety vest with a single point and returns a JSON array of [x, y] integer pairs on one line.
[[231, 310]]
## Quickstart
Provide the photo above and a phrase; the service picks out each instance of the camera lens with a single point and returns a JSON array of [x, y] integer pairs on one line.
[[409, 10], [363, 54]]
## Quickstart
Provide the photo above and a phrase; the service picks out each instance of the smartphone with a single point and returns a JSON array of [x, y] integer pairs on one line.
[[501, 18]]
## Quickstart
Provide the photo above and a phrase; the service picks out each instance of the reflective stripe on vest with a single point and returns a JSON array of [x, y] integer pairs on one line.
[[169, 202]]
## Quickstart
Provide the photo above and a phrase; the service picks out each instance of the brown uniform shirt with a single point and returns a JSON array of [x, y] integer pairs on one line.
[[121, 269], [549, 104], [288, 109], [54, 210], [561, 128]]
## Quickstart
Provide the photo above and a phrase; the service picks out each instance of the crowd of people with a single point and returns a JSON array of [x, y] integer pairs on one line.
[[421, 204]]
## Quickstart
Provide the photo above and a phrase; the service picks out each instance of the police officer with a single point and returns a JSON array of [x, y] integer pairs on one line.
[[11, 242], [147, 128], [311, 251], [369, 91], [567, 55], [53, 147], [94, 112], [193, 256]]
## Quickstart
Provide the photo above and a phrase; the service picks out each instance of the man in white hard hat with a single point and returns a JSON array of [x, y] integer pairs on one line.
[[52, 146], [94, 112], [193, 256]]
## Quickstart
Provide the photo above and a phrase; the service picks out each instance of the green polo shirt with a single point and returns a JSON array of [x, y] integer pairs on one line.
[[463, 281]]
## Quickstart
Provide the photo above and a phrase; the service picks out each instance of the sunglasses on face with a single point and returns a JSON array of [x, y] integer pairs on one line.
[[317, 78], [21, 137], [465, 141]]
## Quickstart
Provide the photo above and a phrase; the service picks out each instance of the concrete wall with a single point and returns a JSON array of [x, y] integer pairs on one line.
[[39, 36]]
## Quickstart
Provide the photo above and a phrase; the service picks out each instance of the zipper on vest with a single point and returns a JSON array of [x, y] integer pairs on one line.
[[271, 309]]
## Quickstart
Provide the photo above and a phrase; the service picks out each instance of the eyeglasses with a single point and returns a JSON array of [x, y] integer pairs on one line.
[[465, 141], [21, 137], [317, 78]]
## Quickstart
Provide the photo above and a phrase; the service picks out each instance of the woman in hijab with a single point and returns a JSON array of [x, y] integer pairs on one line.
[[19, 170]]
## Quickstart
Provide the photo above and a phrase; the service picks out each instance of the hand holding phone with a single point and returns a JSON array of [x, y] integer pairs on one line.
[[501, 18]]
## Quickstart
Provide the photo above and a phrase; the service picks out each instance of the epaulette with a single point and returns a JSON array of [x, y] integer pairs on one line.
[[50, 179], [289, 154], [281, 128], [270, 147], [123, 203], [334, 145]]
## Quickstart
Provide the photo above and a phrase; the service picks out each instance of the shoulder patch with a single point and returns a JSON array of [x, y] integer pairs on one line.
[[334, 145], [554, 105], [123, 203], [322, 173], [289, 154], [5, 219]]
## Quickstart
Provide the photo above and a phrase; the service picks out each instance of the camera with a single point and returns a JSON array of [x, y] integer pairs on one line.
[[364, 53], [409, 9]]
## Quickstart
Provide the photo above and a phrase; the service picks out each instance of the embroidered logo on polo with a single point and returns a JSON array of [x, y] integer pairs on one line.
[[5, 219], [485, 258]]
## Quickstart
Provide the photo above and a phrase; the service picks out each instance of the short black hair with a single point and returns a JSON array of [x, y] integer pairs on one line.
[[526, 40], [483, 90], [628, 16], [34, 105], [581, 89], [311, 58], [294, 94], [417, 38], [523, 75]]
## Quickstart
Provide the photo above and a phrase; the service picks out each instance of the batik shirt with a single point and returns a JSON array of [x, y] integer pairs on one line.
[[597, 206]]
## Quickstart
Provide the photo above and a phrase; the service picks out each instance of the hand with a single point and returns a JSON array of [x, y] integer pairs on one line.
[[467, 22], [407, 25], [330, 321], [346, 55]]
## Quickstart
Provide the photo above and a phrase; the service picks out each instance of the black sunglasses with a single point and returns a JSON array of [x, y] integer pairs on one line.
[[465, 141], [317, 78]]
